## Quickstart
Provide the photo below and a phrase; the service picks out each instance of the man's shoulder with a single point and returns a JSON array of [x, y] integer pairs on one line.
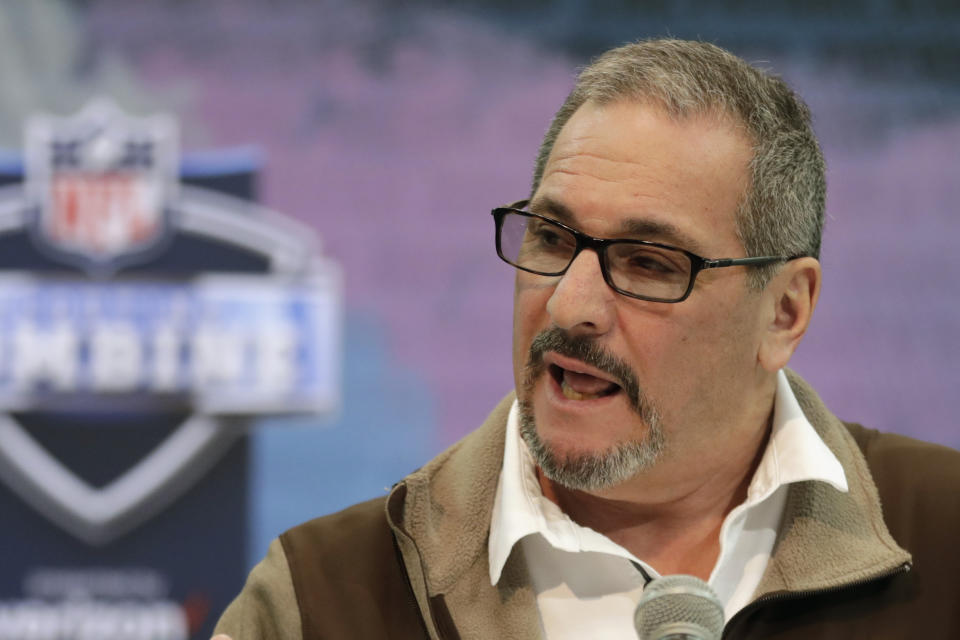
[[898, 457], [918, 484], [348, 576], [328, 540], [338, 546]]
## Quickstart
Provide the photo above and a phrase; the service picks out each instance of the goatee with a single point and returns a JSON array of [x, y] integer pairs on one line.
[[589, 472]]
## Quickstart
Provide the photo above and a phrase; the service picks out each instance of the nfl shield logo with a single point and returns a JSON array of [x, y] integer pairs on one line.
[[229, 314], [100, 182]]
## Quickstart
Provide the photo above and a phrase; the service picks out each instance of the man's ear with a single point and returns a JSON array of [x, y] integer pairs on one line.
[[790, 298]]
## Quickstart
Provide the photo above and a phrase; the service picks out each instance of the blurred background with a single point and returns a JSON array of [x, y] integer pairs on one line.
[[391, 129]]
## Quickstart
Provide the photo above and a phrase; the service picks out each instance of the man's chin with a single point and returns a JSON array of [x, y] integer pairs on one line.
[[591, 470]]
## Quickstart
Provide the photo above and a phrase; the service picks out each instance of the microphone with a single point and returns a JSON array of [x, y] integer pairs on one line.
[[679, 607]]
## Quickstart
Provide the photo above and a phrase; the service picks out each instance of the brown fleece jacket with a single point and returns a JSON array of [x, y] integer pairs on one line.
[[416, 567]]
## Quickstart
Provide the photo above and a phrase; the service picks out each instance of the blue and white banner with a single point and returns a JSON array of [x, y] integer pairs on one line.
[[220, 344], [148, 315]]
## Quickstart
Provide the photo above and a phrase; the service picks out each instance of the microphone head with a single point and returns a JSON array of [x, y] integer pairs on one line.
[[679, 606]]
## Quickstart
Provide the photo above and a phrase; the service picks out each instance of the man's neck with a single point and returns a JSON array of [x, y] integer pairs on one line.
[[674, 526]]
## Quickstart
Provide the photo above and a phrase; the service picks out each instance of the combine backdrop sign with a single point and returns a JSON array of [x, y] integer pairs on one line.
[[148, 310]]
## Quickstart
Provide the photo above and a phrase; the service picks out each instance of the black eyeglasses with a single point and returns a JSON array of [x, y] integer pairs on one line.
[[634, 268]]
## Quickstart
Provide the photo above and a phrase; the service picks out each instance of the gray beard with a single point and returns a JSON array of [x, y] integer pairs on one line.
[[589, 472]]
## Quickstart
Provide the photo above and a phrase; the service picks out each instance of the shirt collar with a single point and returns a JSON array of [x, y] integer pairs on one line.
[[794, 453]]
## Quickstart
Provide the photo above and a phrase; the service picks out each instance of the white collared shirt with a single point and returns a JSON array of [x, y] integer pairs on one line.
[[587, 585]]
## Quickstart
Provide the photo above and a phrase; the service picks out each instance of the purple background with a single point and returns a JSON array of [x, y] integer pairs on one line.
[[393, 133]]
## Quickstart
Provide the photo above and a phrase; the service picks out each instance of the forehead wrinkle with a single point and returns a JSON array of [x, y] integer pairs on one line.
[[578, 152], [577, 173], [558, 164]]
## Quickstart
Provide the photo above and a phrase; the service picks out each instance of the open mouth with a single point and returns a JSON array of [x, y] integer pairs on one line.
[[577, 385]]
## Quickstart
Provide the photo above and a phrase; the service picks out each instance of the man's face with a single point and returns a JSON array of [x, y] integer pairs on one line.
[[610, 385]]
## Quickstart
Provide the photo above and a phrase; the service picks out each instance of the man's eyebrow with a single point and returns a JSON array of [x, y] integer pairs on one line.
[[635, 227], [547, 206], [660, 232]]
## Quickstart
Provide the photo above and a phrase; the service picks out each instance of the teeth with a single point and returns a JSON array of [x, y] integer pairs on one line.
[[572, 394]]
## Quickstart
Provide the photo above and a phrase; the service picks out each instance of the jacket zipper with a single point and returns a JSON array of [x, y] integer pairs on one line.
[[796, 595]]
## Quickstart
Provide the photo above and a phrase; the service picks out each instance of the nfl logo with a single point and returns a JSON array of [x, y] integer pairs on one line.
[[100, 182]]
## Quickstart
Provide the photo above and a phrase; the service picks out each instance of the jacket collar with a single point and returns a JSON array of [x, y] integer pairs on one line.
[[828, 538], [442, 511], [447, 503]]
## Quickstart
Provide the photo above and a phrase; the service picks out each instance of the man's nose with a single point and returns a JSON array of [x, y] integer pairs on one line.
[[582, 302]]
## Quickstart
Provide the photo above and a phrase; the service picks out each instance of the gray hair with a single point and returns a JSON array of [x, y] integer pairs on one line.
[[782, 211]]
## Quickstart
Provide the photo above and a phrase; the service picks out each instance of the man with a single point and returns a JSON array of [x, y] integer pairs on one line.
[[666, 271]]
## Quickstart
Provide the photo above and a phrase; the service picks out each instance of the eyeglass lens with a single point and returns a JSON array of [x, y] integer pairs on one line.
[[537, 245]]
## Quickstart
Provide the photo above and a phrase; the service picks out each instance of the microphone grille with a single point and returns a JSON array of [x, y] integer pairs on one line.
[[679, 604]]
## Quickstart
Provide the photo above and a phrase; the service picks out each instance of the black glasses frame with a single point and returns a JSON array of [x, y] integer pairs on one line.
[[599, 246]]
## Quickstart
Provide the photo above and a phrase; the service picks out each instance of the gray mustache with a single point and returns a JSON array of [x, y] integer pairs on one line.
[[587, 350]]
